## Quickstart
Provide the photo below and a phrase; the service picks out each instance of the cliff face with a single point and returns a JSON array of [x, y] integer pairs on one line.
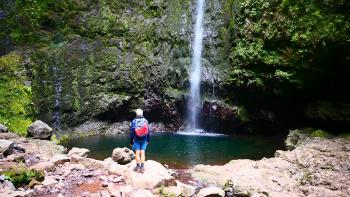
[[106, 58], [264, 62]]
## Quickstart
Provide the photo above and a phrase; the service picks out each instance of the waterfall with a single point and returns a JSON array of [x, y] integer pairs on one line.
[[56, 115], [195, 74]]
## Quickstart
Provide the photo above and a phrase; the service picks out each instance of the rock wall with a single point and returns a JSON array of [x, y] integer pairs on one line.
[[118, 56]]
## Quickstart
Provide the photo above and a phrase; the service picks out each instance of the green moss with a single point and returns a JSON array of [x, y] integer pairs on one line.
[[243, 114], [22, 176], [320, 133], [54, 139], [16, 107], [64, 137]]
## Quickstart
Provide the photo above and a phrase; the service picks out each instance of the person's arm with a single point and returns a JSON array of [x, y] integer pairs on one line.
[[149, 134], [132, 133]]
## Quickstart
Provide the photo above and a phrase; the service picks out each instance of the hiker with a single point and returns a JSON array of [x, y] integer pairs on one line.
[[139, 138]]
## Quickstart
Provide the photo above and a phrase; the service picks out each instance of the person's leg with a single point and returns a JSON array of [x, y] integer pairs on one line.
[[143, 156], [137, 149], [137, 156]]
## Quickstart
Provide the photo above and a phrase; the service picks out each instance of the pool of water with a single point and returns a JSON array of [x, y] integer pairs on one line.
[[180, 151]]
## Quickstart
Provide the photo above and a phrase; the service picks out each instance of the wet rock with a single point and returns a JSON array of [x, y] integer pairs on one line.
[[211, 191], [3, 128], [59, 159], [122, 155], [226, 116], [155, 175], [82, 152], [171, 116], [153, 106], [39, 130]]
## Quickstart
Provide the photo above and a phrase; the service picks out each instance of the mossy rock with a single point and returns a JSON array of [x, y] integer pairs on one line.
[[23, 176], [297, 137]]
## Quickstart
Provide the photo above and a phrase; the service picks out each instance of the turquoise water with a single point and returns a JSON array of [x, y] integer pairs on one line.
[[185, 150]]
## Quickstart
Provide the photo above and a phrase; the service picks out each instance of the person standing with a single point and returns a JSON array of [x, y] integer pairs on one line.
[[139, 139]]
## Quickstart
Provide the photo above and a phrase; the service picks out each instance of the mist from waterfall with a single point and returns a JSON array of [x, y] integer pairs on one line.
[[195, 73]]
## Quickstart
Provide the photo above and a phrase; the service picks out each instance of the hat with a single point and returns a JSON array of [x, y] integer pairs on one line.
[[139, 112]]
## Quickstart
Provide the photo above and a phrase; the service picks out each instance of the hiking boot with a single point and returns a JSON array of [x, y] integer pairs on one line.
[[142, 169], [137, 168]]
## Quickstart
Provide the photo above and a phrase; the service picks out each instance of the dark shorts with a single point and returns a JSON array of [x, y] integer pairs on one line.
[[139, 146]]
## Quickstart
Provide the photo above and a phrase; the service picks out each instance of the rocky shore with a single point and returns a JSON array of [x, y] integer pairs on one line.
[[73, 173], [312, 167]]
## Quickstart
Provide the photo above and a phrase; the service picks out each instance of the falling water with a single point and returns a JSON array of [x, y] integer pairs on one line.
[[195, 75], [56, 117]]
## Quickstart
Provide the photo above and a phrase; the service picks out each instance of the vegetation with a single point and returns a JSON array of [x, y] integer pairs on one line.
[[288, 43], [22, 176], [281, 60], [291, 58], [16, 107]]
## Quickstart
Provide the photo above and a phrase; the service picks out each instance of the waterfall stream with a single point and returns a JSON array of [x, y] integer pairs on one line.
[[56, 115], [195, 73]]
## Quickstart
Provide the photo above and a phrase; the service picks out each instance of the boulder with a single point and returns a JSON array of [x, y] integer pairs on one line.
[[122, 155], [82, 152], [211, 191], [154, 176], [116, 168], [39, 130], [59, 159], [3, 128], [108, 162], [8, 147]]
